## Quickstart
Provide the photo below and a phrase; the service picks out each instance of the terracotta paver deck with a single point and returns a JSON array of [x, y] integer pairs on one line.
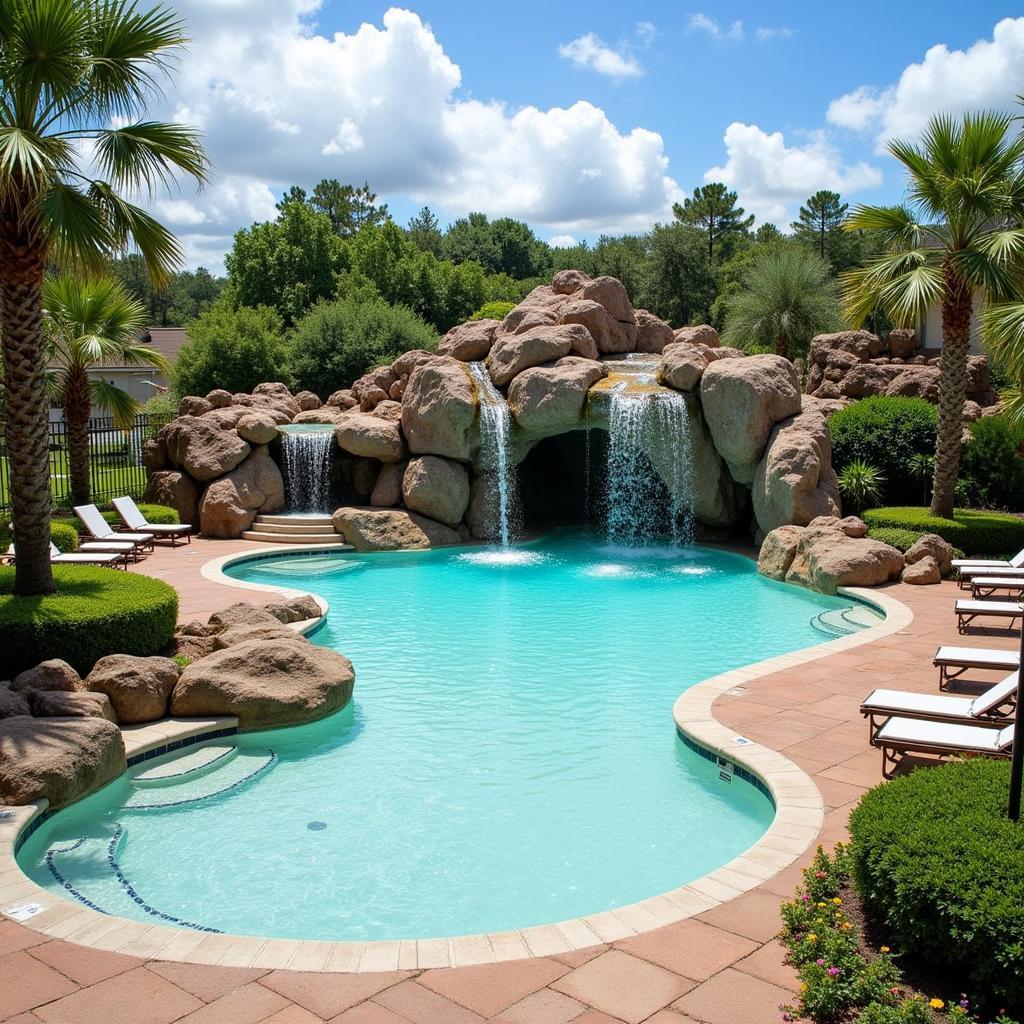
[[721, 967]]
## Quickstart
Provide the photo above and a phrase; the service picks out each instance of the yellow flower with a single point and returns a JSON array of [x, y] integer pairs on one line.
[[812, 937], [836, 900], [884, 949], [821, 904], [846, 926], [936, 1004]]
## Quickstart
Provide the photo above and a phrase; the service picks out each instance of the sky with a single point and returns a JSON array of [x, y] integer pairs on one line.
[[581, 119]]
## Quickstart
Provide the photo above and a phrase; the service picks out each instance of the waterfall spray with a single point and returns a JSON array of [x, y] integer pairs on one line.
[[305, 466], [495, 441]]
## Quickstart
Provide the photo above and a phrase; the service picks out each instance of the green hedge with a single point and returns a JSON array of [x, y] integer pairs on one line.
[[493, 311], [886, 433], [989, 534], [901, 539], [940, 868], [63, 534], [94, 612]]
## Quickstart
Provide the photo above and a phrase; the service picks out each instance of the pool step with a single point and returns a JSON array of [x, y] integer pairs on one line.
[[198, 761], [296, 530], [217, 778], [844, 621]]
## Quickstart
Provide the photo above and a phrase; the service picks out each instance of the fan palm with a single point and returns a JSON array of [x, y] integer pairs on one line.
[[74, 79], [785, 298], [958, 233], [89, 323]]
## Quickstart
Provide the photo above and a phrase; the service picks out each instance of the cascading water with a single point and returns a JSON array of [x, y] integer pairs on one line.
[[495, 440], [649, 454], [305, 466]]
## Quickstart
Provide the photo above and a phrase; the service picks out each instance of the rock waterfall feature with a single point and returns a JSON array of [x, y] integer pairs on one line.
[[502, 516], [305, 466]]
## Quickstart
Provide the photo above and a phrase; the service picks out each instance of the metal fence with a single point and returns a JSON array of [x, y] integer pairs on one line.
[[115, 460]]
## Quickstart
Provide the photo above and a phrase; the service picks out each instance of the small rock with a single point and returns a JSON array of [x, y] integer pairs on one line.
[[923, 572], [52, 704], [137, 687], [931, 545], [54, 674]]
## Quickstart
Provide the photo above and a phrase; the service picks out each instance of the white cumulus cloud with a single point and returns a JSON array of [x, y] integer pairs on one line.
[[987, 75], [710, 26], [766, 35], [281, 104], [772, 177], [563, 241], [588, 51]]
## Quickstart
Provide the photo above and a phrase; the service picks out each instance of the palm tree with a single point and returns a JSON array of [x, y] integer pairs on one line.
[[958, 232], [74, 78], [786, 296], [89, 323], [1004, 336]]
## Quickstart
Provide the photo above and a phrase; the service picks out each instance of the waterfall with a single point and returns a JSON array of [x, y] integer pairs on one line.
[[305, 466], [649, 453], [495, 442]]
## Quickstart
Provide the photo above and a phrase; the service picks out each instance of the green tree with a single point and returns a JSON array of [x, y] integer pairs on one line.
[[90, 322], [821, 220], [678, 281], [295, 194], [231, 348], [424, 231], [503, 246], [337, 342], [626, 258], [348, 208], [289, 263], [958, 232], [74, 77], [713, 209], [786, 296], [185, 294], [767, 233]]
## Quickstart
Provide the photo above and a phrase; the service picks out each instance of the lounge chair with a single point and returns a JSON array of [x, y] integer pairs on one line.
[[58, 557], [986, 586], [133, 519], [101, 531], [968, 611], [953, 662], [901, 736], [995, 705], [1017, 562]]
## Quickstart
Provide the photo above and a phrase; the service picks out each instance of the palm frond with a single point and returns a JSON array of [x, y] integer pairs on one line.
[[43, 53], [1003, 325], [121, 406], [27, 158], [997, 278], [897, 225], [75, 227], [141, 156]]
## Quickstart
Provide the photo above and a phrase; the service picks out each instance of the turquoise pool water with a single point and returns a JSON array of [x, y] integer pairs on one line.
[[509, 757]]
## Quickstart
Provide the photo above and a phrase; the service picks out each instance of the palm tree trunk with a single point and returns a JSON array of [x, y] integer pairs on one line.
[[77, 409], [21, 324], [956, 343]]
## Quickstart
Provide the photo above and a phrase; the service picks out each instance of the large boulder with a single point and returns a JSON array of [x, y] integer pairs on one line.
[[439, 408], [243, 634], [778, 551], [57, 759], [794, 481], [826, 559], [380, 529], [682, 365], [193, 405], [610, 292], [538, 309], [469, 342], [325, 414], [387, 490], [565, 282], [931, 545], [242, 613], [511, 354], [867, 379], [52, 704], [154, 454], [742, 400], [53, 674], [265, 684], [138, 688], [371, 437], [547, 400], [308, 400], [610, 335], [862, 344], [915, 382], [202, 448], [902, 342], [436, 487], [219, 398], [226, 418], [342, 399], [229, 505], [702, 334], [653, 334], [257, 427], [13, 704], [924, 572], [176, 490]]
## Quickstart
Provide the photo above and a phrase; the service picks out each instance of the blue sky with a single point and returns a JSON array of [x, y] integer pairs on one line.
[[581, 119]]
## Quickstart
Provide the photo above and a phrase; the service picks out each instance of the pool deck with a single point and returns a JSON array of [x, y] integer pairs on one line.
[[722, 966]]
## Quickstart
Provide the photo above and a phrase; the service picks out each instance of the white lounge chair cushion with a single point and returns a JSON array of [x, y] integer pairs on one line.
[[95, 558], [1016, 562], [896, 702], [1001, 582], [135, 520], [93, 521], [1002, 609], [975, 657], [911, 732], [107, 545], [995, 696]]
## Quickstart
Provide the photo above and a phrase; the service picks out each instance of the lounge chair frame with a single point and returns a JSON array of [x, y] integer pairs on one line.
[[966, 616], [165, 532]]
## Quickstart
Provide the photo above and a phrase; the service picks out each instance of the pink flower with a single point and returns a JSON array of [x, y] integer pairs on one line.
[[833, 972], [820, 962]]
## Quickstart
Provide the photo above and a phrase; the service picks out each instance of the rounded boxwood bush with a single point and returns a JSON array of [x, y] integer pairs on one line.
[[940, 868], [885, 433], [64, 535], [493, 311], [95, 612], [976, 533]]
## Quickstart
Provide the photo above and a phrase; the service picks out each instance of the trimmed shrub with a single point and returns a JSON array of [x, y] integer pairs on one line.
[[940, 868], [64, 536], [493, 311], [991, 534], [337, 342], [903, 540], [885, 433], [992, 466], [95, 612]]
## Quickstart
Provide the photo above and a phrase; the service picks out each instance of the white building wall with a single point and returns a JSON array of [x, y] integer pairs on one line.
[[930, 332]]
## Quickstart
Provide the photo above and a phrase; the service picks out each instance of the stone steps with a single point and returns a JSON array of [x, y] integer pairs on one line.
[[295, 530]]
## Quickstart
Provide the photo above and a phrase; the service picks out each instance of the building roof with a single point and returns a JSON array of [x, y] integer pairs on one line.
[[168, 341]]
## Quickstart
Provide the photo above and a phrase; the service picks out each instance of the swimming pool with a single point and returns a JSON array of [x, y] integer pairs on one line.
[[508, 759]]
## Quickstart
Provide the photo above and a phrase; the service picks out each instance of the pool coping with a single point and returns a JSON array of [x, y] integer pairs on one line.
[[799, 815]]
